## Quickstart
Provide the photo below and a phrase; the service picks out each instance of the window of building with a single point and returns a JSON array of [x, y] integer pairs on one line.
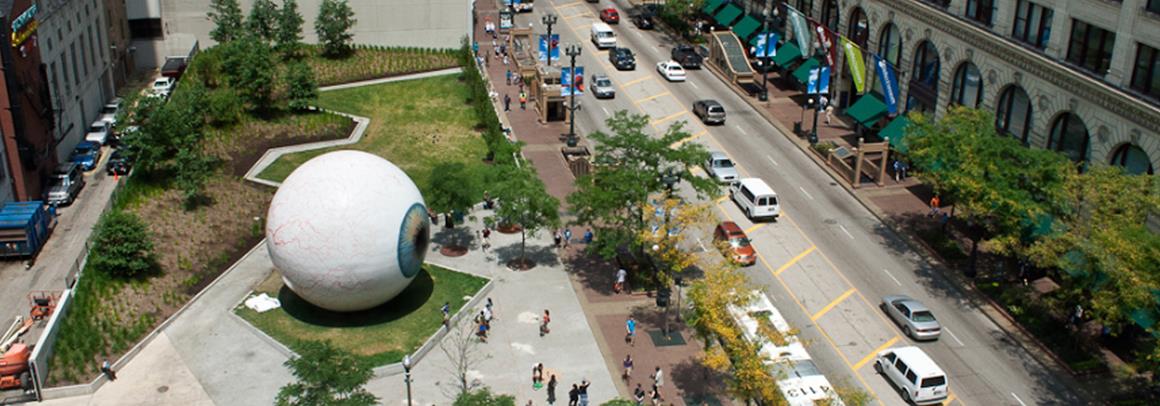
[[1146, 71], [1090, 47], [940, 3], [967, 89], [86, 55], [859, 30], [1153, 6], [1032, 24], [75, 61], [1013, 114], [982, 11], [922, 95], [1069, 135], [830, 13], [146, 28], [1133, 159], [890, 44]]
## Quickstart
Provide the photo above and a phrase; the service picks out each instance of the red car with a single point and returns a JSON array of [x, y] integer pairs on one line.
[[734, 244], [610, 16]]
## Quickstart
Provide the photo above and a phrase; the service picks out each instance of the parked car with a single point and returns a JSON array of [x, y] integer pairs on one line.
[[602, 87], [709, 111], [734, 244], [917, 377], [687, 56], [671, 70], [67, 182], [916, 320], [720, 167], [111, 110], [86, 154], [622, 58], [118, 164], [610, 16], [99, 132], [163, 86], [643, 21]]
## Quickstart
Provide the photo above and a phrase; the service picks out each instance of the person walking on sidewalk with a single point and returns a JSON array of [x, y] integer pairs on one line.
[[537, 376], [588, 236], [934, 206], [552, 390], [658, 378], [630, 327], [574, 396], [621, 276], [507, 102], [524, 103], [544, 323], [107, 369], [638, 395], [627, 367], [558, 238], [446, 314], [897, 170], [583, 389], [567, 236]]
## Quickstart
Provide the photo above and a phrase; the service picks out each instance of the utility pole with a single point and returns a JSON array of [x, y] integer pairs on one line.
[[573, 51], [549, 20], [818, 94]]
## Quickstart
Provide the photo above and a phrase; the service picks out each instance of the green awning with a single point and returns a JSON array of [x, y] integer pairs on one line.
[[712, 5], [895, 131], [726, 16], [788, 53], [867, 110], [802, 73], [746, 27]]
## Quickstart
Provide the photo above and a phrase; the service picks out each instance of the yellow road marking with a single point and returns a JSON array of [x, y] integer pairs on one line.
[[690, 138], [950, 398], [830, 306], [721, 199], [755, 227], [572, 4], [667, 118], [637, 80], [794, 260], [874, 353], [662, 94]]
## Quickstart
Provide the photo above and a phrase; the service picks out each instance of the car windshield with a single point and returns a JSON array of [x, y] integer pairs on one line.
[[109, 110], [96, 129], [723, 163], [603, 82], [739, 242], [604, 34], [161, 83], [922, 316]]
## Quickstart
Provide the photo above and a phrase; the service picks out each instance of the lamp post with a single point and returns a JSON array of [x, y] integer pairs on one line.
[[818, 89], [407, 376], [573, 50], [670, 179], [549, 20], [768, 63]]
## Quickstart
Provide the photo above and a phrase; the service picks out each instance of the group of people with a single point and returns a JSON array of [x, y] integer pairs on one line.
[[562, 237], [482, 320]]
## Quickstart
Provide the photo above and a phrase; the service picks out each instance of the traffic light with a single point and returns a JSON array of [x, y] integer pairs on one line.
[[663, 296]]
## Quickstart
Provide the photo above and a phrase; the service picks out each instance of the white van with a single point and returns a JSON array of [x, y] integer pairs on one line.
[[603, 36], [919, 379], [755, 198]]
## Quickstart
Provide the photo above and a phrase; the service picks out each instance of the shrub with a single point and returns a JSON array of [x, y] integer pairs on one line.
[[123, 247], [223, 108]]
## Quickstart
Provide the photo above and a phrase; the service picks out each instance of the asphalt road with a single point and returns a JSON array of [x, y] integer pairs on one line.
[[828, 261]]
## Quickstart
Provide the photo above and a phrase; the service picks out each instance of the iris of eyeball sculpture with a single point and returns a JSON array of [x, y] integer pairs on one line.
[[348, 230]]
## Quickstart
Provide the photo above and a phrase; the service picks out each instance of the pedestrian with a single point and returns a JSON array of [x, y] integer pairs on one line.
[[490, 308], [446, 314], [621, 276], [638, 395], [658, 378], [897, 170], [495, 48], [538, 376], [934, 205], [488, 202], [829, 114], [567, 236], [524, 106], [486, 314], [558, 238], [627, 367], [482, 331], [486, 243], [588, 236], [544, 323], [107, 369], [630, 327], [656, 396], [1077, 316], [505, 60], [584, 392], [552, 389], [905, 169], [574, 395], [507, 106], [507, 76]]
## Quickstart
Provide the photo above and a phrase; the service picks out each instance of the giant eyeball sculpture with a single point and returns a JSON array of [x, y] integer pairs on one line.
[[348, 230]]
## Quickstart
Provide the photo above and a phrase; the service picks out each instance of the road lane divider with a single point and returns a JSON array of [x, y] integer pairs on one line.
[[690, 138], [794, 260], [669, 117], [635, 81], [566, 5], [869, 357], [832, 304], [653, 97], [755, 227]]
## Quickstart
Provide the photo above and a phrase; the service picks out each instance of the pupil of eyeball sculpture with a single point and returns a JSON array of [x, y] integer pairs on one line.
[[349, 231]]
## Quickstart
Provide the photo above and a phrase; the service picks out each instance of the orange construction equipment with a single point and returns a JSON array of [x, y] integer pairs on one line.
[[42, 303], [14, 368]]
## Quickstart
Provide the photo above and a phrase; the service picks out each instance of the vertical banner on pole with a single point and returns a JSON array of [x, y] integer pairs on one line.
[[764, 45], [544, 47], [819, 81], [572, 83], [889, 80], [801, 32], [855, 63]]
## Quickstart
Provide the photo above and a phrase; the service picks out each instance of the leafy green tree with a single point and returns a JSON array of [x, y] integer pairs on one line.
[[288, 34], [619, 402], [194, 168], [333, 26], [451, 187], [302, 88], [996, 181], [484, 397], [524, 201], [248, 67], [123, 246], [263, 20], [326, 375], [227, 19], [665, 244], [630, 168], [163, 128]]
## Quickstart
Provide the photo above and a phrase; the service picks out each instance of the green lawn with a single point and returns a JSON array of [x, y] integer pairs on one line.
[[415, 124], [382, 334]]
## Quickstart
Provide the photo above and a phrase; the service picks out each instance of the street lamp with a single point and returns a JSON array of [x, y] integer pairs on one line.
[[768, 63], [818, 88], [407, 376], [573, 50], [669, 179], [549, 20]]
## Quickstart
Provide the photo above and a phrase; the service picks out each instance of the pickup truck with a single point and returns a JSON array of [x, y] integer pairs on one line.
[[687, 56]]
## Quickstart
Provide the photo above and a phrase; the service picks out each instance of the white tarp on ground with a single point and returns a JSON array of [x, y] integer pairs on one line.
[[262, 303]]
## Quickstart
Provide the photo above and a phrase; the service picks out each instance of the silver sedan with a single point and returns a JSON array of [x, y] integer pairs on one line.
[[915, 319]]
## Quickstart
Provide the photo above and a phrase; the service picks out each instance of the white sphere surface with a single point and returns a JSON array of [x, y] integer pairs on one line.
[[349, 231]]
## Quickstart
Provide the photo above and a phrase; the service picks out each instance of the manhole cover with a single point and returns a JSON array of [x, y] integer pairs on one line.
[[830, 221], [162, 389]]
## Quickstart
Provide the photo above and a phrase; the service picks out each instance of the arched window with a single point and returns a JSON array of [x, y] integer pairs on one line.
[[806, 7], [890, 44], [968, 86], [859, 30], [923, 92], [1133, 159], [1013, 114], [830, 14], [1070, 136]]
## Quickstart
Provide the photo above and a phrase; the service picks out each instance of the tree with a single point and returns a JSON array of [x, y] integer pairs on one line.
[[452, 188], [164, 126], [996, 181], [194, 167], [524, 201], [263, 20], [288, 34], [462, 349], [619, 402], [123, 246], [248, 67], [335, 20], [227, 19], [631, 165], [326, 375], [484, 397], [302, 87], [672, 217]]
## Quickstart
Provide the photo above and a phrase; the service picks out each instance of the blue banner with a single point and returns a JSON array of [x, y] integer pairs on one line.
[[555, 47], [567, 78], [764, 45], [819, 81], [889, 79]]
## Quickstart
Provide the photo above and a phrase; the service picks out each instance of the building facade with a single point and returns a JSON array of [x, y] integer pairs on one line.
[[121, 64], [26, 113], [1077, 76]]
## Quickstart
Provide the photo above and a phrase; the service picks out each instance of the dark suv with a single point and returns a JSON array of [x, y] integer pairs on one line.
[[622, 58], [687, 56]]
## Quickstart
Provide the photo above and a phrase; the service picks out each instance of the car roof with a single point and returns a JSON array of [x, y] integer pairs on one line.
[[709, 102], [910, 303], [917, 361], [757, 186], [65, 167], [730, 227], [599, 76], [715, 155], [86, 144]]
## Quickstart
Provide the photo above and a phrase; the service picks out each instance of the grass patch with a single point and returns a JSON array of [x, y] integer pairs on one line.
[[383, 334], [373, 62], [415, 124]]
